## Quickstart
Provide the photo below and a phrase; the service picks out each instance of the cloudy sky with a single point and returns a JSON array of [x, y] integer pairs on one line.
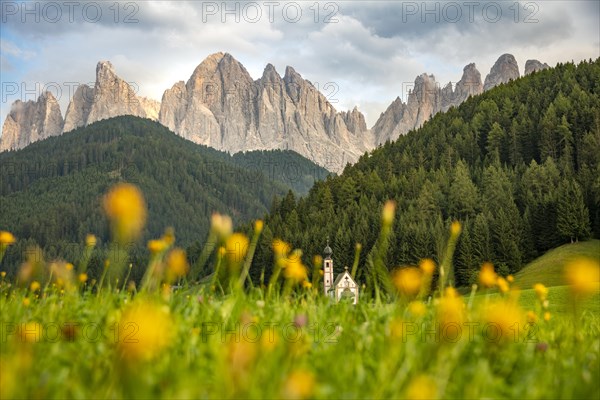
[[361, 54]]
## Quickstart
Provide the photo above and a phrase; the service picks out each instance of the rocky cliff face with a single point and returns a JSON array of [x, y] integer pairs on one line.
[[222, 107], [111, 96], [534, 66], [424, 101], [505, 69], [31, 121], [469, 85]]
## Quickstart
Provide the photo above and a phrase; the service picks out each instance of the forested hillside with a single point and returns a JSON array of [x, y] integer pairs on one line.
[[285, 166], [50, 192], [519, 166]]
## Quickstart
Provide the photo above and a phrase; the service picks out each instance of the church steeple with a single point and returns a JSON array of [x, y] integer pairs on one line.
[[327, 270], [327, 252]]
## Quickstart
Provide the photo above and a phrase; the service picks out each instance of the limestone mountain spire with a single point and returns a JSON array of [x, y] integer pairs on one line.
[[30, 121], [504, 70], [534, 66], [111, 96]]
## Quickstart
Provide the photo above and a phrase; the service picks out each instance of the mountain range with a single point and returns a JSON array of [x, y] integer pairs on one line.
[[221, 106]]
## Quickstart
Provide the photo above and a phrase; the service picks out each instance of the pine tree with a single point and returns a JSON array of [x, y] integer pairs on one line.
[[463, 196], [573, 220]]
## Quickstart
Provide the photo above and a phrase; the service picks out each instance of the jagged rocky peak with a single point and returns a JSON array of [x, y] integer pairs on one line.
[[222, 107], [504, 70], [105, 72], [270, 74], [110, 97], [79, 108], [534, 66], [469, 85], [30, 121], [424, 101], [354, 120], [471, 81]]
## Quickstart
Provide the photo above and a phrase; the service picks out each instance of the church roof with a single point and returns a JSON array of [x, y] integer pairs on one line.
[[341, 276]]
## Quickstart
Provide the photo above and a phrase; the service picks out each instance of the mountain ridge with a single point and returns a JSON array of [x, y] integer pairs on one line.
[[223, 107]]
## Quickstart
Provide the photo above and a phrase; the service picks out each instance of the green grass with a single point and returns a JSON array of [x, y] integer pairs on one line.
[[347, 351], [559, 300], [548, 269]]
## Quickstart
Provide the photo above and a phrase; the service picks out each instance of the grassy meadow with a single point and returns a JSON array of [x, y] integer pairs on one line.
[[174, 335]]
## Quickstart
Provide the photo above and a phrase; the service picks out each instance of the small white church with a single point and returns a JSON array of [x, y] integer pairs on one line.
[[343, 287]]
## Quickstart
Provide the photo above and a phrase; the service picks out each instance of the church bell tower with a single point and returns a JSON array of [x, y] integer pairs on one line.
[[327, 270]]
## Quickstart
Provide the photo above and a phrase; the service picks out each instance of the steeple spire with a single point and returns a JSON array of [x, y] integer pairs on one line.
[[327, 252]]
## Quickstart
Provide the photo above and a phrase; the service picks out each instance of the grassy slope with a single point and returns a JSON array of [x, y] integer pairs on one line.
[[559, 301], [548, 269]]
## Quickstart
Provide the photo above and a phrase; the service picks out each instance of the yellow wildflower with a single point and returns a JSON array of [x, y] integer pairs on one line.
[[281, 248], [388, 213], [502, 318], [294, 269], [455, 228], [450, 309], [83, 277], [421, 387], [3, 274], [177, 264], [90, 240], [237, 247], [69, 267], [222, 225], [541, 291], [125, 206], [502, 284], [427, 266], [169, 236], [6, 238], [157, 245], [583, 275], [510, 278], [145, 329], [408, 281], [531, 317], [26, 302], [547, 316], [300, 384], [317, 261], [306, 285], [35, 286], [258, 226], [487, 276]]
